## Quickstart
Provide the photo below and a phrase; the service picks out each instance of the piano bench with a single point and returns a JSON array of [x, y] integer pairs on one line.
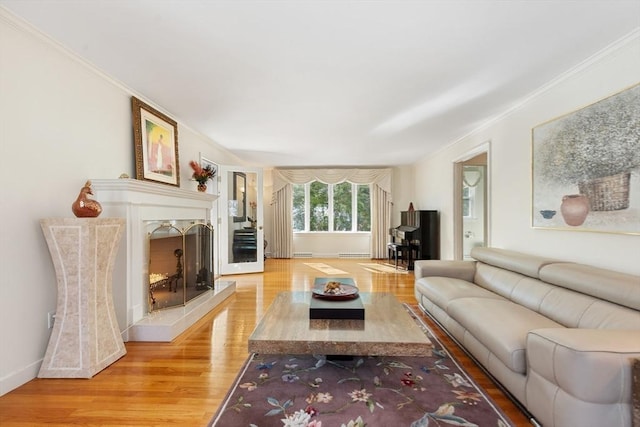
[[395, 250]]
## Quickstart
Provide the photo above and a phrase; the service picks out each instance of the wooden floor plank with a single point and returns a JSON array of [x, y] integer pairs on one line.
[[182, 383]]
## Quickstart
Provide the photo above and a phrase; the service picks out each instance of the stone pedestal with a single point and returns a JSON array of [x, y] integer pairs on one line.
[[85, 337]]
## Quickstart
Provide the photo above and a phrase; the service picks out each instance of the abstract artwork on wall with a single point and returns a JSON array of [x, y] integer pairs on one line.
[[586, 167]]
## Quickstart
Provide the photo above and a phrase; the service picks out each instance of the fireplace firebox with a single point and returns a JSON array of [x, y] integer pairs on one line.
[[180, 262]]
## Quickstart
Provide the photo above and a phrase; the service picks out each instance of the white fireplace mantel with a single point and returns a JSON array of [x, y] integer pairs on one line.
[[140, 202], [145, 192]]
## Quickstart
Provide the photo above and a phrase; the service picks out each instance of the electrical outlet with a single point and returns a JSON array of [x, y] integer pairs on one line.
[[51, 318]]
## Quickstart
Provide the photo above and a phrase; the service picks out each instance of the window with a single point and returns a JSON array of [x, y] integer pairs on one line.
[[342, 207], [318, 206], [297, 215], [363, 208], [331, 207]]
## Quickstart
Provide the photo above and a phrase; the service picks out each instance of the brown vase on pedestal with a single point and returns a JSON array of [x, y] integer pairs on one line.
[[574, 209], [202, 187], [84, 206]]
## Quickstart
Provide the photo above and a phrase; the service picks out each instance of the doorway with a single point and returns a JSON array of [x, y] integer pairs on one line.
[[241, 220], [471, 203]]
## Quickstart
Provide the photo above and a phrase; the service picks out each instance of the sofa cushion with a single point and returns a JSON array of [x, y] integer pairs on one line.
[[502, 282], [621, 288], [593, 365], [463, 270], [526, 264], [576, 310], [607, 315], [501, 325], [443, 290]]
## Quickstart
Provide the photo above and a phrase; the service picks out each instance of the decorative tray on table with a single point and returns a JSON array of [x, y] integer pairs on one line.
[[335, 290]]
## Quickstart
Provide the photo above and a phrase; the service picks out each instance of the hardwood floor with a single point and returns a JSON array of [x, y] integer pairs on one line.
[[182, 383]]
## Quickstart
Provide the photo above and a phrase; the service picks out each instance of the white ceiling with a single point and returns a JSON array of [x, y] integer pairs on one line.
[[340, 83]]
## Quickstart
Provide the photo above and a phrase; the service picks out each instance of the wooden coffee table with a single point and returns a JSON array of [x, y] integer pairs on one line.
[[388, 330]]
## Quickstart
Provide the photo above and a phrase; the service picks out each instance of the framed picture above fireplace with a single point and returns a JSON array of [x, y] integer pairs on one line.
[[155, 138]]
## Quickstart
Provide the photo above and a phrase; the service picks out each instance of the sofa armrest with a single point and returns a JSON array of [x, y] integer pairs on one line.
[[593, 365], [464, 270]]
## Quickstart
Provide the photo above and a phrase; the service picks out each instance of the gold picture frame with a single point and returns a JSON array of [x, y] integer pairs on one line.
[[155, 138]]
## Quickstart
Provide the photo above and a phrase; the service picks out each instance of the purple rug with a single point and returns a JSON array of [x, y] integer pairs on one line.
[[316, 391]]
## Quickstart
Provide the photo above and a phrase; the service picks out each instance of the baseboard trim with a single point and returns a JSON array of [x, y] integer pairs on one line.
[[16, 379]]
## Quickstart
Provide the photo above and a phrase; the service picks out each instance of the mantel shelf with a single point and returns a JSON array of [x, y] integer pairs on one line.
[[126, 188]]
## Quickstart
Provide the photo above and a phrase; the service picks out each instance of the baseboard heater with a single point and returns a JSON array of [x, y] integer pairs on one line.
[[355, 255], [302, 255], [333, 255]]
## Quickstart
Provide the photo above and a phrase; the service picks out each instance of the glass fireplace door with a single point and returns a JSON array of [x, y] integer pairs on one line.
[[180, 262]]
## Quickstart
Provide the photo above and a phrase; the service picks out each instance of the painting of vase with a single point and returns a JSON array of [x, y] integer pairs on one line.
[[586, 166]]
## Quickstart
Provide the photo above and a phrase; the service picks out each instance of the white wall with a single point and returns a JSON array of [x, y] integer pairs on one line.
[[404, 186], [510, 168], [331, 245], [61, 123]]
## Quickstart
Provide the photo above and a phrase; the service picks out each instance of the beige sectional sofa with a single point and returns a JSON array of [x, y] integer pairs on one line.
[[560, 337]]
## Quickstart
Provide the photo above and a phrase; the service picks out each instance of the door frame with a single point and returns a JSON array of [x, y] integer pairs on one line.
[[458, 225], [226, 225]]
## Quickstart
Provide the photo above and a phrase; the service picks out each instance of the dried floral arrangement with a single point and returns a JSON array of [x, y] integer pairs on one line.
[[202, 174]]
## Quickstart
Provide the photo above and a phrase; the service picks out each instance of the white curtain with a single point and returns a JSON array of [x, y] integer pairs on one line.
[[282, 247], [380, 222], [380, 180]]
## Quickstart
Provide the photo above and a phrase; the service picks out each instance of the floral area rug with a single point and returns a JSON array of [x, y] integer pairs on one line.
[[321, 391]]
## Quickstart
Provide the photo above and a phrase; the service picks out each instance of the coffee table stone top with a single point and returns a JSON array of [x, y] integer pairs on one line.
[[388, 330]]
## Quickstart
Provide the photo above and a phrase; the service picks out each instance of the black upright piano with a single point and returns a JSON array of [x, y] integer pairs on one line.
[[417, 236]]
